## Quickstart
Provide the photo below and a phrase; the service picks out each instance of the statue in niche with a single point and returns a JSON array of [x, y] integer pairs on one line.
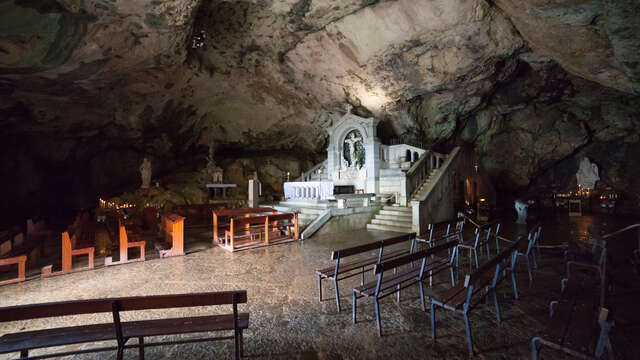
[[349, 107], [587, 174], [215, 172], [521, 209], [354, 150], [145, 173]]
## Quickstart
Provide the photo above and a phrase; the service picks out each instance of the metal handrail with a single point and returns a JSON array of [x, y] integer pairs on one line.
[[618, 232]]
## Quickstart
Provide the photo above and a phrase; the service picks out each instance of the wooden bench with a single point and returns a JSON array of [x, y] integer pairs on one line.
[[173, 229], [68, 252], [462, 298], [247, 229], [576, 326], [347, 270], [221, 218], [390, 284], [123, 331], [123, 236], [258, 231], [288, 222]]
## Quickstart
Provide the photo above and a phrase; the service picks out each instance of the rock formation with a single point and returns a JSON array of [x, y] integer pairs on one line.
[[534, 86]]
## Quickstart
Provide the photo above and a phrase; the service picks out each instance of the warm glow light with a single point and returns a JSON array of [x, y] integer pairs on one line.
[[374, 99]]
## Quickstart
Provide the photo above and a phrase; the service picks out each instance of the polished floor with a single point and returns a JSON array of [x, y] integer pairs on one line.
[[288, 322]]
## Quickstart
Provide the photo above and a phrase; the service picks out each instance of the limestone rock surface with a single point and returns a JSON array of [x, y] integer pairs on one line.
[[89, 88]]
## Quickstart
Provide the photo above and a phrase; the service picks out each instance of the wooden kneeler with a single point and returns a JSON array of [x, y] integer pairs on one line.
[[124, 247], [173, 228], [67, 258]]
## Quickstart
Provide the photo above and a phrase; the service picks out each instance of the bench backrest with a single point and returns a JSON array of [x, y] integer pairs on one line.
[[418, 255], [598, 246], [490, 266], [371, 246], [252, 220], [236, 212], [78, 307], [280, 217]]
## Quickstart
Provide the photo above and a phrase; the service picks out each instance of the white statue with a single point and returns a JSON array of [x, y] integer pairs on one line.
[[521, 208], [145, 173], [587, 174], [349, 107], [351, 142]]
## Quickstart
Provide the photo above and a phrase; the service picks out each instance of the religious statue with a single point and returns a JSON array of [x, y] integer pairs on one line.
[[349, 107], [351, 142], [521, 208], [587, 174], [145, 173]]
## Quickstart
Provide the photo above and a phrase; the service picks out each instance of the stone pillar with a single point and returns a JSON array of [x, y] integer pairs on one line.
[[254, 193]]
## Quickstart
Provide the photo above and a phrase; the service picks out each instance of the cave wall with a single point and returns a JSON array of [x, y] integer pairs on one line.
[[90, 87]]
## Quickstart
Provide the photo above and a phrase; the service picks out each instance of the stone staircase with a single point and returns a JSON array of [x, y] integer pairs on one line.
[[421, 193], [392, 218]]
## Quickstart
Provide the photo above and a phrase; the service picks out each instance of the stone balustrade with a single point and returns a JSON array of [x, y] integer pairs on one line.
[[308, 190]]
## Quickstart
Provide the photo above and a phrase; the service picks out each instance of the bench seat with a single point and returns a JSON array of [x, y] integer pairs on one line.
[[102, 332]]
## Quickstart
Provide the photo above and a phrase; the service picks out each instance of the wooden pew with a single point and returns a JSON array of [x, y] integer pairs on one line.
[[340, 271], [481, 283], [173, 228], [386, 285], [125, 244], [121, 331], [68, 252], [246, 229], [289, 221], [219, 224]]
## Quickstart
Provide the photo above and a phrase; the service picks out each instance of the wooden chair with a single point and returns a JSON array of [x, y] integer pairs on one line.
[[125, 244], [68, 252], [173, 228], [473, 247], [529, 254]]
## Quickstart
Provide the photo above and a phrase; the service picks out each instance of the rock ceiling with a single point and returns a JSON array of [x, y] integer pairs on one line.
[[86, 83]]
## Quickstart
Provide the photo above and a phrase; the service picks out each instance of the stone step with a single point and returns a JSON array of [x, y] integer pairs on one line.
[[398, 208], [394, 212], [388, 228], [394, 218], [303, 210], [392, 222]]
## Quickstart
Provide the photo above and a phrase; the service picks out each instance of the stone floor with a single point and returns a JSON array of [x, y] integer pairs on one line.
[[288, 322]]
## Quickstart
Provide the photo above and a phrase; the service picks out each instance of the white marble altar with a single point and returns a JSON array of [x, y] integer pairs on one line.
[[308, 190]]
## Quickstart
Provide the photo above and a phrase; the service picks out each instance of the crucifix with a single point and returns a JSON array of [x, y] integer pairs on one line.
[[351, 142]]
